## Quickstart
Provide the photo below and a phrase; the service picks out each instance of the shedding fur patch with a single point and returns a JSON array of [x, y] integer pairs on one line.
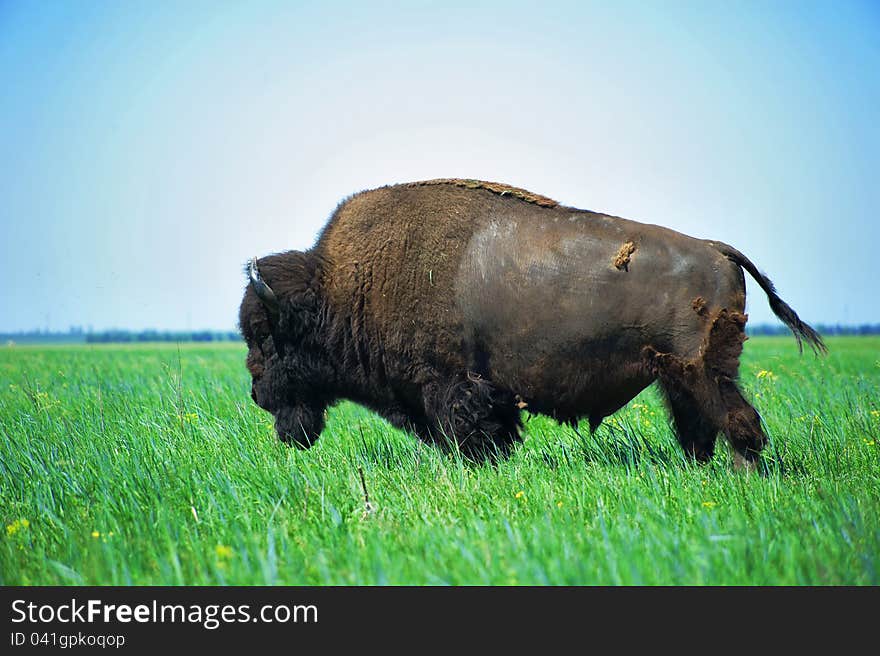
[[496, 187], [668, 366], [719, 356], [724, 344], [621, 259]]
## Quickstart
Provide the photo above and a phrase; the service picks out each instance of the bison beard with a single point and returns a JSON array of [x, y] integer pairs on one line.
[[301, 424], [449, 305]]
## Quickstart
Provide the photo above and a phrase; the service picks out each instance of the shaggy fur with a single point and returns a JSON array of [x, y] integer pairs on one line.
[[449, 305], [496, 187]]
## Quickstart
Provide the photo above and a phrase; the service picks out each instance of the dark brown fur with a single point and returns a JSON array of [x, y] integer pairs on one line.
[[449, 305]]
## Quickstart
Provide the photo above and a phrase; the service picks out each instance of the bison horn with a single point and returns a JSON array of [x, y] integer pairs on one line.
[[264, 292]]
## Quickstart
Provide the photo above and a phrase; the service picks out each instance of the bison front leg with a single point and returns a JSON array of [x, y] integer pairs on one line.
[[470, 413], [300, 424]]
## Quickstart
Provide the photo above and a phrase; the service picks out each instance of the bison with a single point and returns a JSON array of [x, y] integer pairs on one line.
[[448, 306]]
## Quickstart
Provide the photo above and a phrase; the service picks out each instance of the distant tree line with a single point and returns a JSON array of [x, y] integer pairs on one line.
[[78, 335], [824, 329], [161, 336]]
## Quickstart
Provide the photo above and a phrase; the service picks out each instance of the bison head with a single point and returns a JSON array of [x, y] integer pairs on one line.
[[279, 320]]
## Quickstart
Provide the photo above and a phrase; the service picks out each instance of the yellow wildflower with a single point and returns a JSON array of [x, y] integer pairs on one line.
[[709, 504], [520, 495], [223, 551], [96, 534], [16, 526]]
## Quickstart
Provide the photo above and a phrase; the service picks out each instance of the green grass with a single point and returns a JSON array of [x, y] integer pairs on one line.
[[150, 465]]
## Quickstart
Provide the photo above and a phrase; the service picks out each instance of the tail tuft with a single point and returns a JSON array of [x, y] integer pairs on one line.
[[802, 331]]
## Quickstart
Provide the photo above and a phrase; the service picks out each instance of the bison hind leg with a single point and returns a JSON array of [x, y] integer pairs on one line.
[[703, 396], [741, 423], [742, 427], [474, 416], [695, 429], [692, 400]]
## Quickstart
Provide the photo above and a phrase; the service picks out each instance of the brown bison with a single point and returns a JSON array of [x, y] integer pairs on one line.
[[448, 306]]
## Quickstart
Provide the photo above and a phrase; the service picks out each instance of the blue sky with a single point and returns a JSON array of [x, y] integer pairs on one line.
[[150, 148]]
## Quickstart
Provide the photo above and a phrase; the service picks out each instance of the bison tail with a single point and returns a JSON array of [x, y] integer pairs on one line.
[[802, 332]]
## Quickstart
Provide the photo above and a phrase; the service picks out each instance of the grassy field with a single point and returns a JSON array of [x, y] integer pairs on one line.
[[150, 465]]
